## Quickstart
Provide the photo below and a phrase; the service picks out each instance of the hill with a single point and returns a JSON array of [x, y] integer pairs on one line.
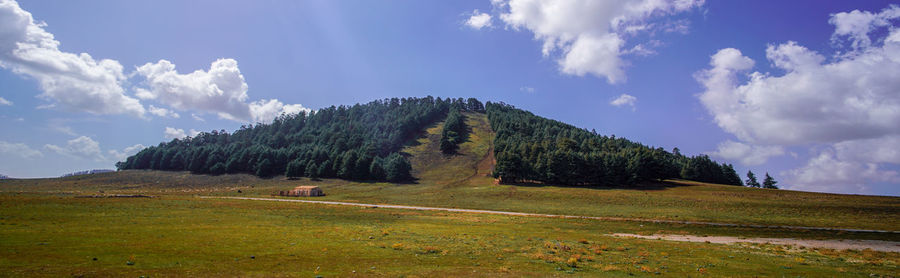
[[362, 142]]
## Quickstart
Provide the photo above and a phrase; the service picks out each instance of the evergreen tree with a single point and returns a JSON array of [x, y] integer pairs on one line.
[[751, 180], [295, 169], [312, 170], [396, 168], [769, 182], [217, 169]]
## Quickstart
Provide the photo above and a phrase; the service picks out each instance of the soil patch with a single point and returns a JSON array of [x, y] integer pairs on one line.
[[877, 245]]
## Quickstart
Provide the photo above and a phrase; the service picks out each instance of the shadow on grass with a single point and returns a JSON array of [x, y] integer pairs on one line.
[[657, 185]]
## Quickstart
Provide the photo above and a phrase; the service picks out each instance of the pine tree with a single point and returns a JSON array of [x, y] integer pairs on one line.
[[295, 169], [769, 182], [751, 180]]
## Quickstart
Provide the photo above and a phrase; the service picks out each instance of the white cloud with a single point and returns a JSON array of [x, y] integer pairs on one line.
[[479, 20], [3, 101], [221, 90], [527, 89], [852, 98], [177, 133], [81, 147], [877, 150], [624, 99], [747, 154], [264, 111], [76, 81], [850, 104], [590, 37], [197, 117], [125, 153], [19, 149], [856, 25], [827, 173], [162, 112], [173, 133]]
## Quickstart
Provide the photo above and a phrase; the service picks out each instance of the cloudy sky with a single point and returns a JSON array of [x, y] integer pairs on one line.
[[808, 91]]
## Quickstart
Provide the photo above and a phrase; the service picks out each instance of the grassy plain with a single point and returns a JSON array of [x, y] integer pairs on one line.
[[45, 230]]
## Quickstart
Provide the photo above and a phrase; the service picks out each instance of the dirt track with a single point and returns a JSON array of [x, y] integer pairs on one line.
[[877, 245], [557, 216]]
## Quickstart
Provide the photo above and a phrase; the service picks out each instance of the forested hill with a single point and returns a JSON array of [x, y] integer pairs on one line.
[[362, 142], [529, 148], [359, 142]]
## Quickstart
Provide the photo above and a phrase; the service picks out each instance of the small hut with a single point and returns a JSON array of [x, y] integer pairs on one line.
[[303, 191]]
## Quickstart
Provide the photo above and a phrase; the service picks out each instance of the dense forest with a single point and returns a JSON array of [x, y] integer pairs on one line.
[[529, 148], [362, 142], [359, 142]]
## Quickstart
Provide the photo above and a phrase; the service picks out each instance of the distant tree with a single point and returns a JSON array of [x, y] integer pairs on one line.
[[312, 170], [731, 176], [453, 132], [264, 168], [217, 169], [751, 180], [769, 182], [295, 169], [396, 168]]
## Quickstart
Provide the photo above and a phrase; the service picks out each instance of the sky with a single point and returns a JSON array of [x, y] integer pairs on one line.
[[807, 91]]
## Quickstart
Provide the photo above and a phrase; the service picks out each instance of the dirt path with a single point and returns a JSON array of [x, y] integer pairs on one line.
[[555, 215], [877, 245]]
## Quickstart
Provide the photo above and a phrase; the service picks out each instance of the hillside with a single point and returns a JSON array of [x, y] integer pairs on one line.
[[363, 142], [358, 142]]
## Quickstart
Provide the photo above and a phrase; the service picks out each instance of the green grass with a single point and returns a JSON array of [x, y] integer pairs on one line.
[[185, 236], [44, 230]]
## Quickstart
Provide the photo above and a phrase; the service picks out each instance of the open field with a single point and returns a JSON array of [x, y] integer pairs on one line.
[[45, 230], [57, 235]]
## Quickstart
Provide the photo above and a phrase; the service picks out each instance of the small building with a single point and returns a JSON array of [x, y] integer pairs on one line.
[[303, 191]]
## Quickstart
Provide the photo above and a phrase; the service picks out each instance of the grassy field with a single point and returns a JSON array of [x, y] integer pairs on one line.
[[184, 236], [46, 231]]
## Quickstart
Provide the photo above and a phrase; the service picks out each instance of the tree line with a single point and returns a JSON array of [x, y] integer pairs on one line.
[[529, 148], [359, 142]]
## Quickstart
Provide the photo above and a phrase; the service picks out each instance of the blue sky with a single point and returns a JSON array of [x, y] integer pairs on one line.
[[682, 71]]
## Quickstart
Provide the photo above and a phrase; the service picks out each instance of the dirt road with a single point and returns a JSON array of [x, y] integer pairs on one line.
[[844, 244], [556, 216]]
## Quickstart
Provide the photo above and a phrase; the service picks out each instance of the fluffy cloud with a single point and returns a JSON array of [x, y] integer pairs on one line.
[[747, 154], [19, 149], [162, 112], [221, 90], [856, 25], [82, 147], [77, 82], [590, 37], [264, 111], [624, 99], [850, 103], [828, 173], [479, 20], [177, 133], [3, 101], [527, 89], [125, 153]]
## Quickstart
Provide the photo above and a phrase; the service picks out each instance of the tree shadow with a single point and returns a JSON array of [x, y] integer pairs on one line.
[[648, 186]]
